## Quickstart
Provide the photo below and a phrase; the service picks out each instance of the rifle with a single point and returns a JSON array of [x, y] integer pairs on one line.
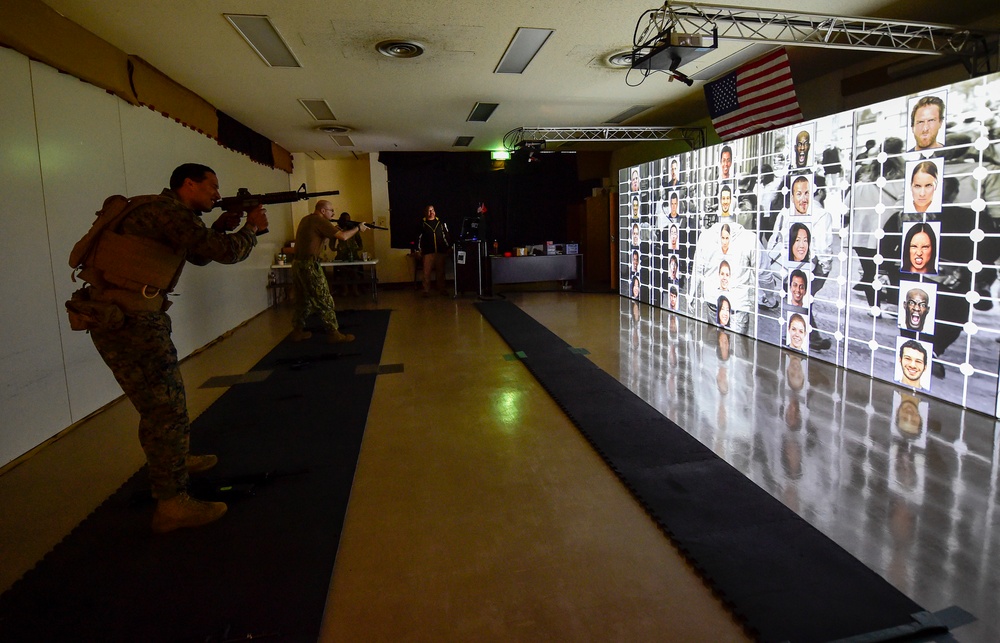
[[350, 225], [244, 201]]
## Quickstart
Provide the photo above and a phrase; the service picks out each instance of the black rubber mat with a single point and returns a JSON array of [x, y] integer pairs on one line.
[[288, 448], [782, 577]]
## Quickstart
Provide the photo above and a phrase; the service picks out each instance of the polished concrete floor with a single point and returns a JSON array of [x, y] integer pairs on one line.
[[479, 513]]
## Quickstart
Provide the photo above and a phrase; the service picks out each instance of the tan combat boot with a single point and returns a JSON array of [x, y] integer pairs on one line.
[[336, 337], [300, 334], [184, 511], [200, 463]]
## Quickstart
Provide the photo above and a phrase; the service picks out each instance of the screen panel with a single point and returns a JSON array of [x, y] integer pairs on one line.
[[868, 239]]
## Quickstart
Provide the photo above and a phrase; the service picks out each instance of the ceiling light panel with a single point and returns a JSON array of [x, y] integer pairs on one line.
[[482, 112], [343, 140], [263, 38], [463, 141], [318, 108], [526, 43]]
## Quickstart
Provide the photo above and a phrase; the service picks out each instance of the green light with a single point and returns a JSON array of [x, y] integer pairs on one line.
[[500, 156]]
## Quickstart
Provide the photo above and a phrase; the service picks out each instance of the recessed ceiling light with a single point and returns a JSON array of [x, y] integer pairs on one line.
[[262, 36], [400, 48], [523, 47]]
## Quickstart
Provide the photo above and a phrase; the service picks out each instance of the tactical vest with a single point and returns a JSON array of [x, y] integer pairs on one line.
[[131, 271]]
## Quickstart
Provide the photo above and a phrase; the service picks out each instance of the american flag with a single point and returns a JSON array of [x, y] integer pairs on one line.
[[754, 97]]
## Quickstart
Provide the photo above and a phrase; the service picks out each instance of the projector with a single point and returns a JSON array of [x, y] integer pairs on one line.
[[672, 50]]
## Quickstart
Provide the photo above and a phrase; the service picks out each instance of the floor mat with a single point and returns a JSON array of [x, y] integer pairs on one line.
[[288, 448], [782, 577]]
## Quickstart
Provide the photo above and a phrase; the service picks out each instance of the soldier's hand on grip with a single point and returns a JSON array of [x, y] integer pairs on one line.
[[257, 218]]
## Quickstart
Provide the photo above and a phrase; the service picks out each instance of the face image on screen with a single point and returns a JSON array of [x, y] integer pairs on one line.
[[797, 288], [920, 248], [927, 122], [913, 363], [917, 306], [797, 332], [802, 151], [924, 186]]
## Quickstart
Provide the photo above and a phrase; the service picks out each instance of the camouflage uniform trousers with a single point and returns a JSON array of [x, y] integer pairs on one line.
[[144, 361], [312, 294]]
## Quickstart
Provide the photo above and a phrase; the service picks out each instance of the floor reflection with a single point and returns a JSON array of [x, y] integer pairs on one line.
[[906, 483]]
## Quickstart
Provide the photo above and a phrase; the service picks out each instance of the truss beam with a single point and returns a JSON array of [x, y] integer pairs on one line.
[[522, 136], [809, 30]]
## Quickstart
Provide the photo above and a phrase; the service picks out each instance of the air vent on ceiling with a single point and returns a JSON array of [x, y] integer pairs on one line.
[[343, 140], [482, 112], [334, 129], [318, 108], [400, 48], [621, 59], [627, 114], [463, 141]]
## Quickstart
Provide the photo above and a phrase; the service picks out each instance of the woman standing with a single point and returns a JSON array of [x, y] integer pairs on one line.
[[434, 244]]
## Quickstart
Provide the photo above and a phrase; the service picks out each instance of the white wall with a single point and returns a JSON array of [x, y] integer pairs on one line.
[[65, 146]]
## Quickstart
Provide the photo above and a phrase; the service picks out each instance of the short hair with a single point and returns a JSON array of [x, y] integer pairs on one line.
[[915, 345], [725, 188], [673, 290], [799, 179], [798, 273], [924, 102], [194, 171], [674, 196], [672, 260], [726, 148], [635, 254], [912, 232]]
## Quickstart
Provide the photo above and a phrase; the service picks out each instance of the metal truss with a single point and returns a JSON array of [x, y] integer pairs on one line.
[[809, 30], [528, 137]]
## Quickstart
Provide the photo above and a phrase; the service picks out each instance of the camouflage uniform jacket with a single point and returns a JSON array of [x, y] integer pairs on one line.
[[177, 226]]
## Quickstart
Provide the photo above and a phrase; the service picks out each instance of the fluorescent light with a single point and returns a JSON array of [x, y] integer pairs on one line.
[[525, 44], [482, 112], [264, 39], [318, 108], [500, 155], [343, 140]]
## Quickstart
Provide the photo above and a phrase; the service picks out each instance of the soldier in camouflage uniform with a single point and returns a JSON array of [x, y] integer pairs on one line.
[[312, 292], [141, 353]]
